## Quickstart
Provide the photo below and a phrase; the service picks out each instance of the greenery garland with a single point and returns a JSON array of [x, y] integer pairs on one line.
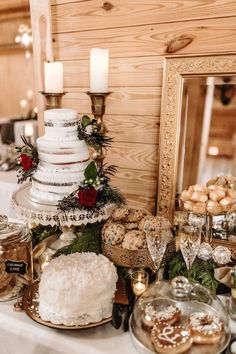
[[89, 131], [201, 271], [94, 191], [27, 160]]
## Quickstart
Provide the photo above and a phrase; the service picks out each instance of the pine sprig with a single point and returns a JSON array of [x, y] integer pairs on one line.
[[89, 131], [94, 191], [201, 271], [89, 241]]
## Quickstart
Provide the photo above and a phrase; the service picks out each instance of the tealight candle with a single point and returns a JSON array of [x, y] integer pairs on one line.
[[139, 281], [139, 288], [99, 66], [53, 76]]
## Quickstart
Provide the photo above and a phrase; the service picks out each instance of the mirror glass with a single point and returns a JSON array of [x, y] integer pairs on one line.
[[18, 113], [207, 146]]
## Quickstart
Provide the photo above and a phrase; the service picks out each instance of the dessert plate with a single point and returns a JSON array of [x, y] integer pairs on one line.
[[30, 306]]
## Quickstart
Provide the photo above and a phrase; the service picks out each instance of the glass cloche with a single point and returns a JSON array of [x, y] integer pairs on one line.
[[179, 317]]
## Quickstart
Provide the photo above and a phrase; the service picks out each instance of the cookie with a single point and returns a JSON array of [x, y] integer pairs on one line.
[[131, 225], [113, 234], [135, 215], [120, 214], [134, 240]]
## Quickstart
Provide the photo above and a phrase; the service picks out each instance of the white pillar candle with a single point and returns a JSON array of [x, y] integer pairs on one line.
[[29, 130], [99, 65], [53, 76]]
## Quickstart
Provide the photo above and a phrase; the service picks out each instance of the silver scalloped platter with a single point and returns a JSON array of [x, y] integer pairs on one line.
[[198, 299]]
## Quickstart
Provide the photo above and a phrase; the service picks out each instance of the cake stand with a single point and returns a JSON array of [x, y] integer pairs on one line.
[[30, 210]]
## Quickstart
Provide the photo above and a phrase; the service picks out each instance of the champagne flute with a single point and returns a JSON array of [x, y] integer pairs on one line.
[[190, 240], [157, 241]]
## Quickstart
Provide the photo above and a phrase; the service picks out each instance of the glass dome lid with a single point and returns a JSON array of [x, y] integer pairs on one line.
[[177, 317]]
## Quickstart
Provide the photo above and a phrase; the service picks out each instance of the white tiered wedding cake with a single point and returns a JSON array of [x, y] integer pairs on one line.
[[62, 157]]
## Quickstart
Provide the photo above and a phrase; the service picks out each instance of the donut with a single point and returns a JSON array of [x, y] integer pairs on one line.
[[169, 316], [171, 339], [205, 328]]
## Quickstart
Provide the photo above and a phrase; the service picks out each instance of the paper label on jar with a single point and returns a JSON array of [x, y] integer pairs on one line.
[[16, 267]]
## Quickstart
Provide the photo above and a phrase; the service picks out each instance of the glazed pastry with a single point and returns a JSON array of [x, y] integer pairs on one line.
[[199, 197], [231, 193], [134, 240], [217, 195], [171, 339], [186, 195], [189, 205], [213, 207], [226, 203], [113, 234], [200, 188], [120, 213], [205, 328], [199, 208], [169, 316]]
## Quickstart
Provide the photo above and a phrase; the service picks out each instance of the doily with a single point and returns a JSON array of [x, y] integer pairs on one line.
[[29, 210]]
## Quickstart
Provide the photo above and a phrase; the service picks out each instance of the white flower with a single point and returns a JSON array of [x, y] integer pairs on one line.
[[89, 129]]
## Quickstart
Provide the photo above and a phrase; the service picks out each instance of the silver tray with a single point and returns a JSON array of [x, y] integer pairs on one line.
[[142, 341]]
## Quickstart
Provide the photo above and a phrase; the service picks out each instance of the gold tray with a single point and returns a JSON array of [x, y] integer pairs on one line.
[[30, 306], [134, 259]]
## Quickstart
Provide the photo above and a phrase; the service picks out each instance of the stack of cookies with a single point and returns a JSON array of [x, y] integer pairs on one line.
[[126, 229], [216, 197]]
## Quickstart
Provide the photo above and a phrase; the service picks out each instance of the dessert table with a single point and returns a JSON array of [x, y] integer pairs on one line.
[[20, 335]]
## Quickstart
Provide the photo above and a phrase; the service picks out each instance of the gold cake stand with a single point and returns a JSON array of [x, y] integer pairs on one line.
[[30, 306]]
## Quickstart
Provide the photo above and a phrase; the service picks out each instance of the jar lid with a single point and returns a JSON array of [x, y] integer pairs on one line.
[[11, 232]]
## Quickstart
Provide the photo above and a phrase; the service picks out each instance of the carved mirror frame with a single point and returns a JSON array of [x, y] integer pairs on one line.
[[175, 70]]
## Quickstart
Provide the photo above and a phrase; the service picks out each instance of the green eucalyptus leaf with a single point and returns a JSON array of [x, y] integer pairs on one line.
[[85, 121], [91, 171]]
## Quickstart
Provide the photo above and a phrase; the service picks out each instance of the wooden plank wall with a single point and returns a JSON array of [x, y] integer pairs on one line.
[[16, 71], [139, 34]]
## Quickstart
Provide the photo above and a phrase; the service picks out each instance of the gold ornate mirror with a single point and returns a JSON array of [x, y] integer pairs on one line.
[[196, 90]]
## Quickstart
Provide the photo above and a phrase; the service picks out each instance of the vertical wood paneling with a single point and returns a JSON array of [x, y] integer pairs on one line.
[[138, 34]]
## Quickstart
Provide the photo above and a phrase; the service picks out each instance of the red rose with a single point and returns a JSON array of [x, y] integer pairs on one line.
[[26, 162], [87, 197]]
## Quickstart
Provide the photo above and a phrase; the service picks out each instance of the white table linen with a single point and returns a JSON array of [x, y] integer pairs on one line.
[[8, 185], [21, 335]]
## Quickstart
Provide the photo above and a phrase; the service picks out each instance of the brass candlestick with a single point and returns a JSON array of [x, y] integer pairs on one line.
[[98, 107], [53, 100], [98, 110]]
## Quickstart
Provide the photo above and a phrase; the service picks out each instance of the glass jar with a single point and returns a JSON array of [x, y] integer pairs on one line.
[[15, 258], [187, 298]]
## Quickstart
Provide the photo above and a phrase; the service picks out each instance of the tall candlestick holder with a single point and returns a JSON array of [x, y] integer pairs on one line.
[[98, 107], [52, 100], [98, 110]]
